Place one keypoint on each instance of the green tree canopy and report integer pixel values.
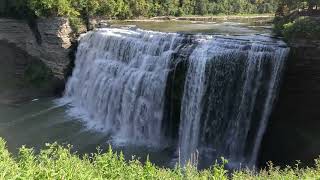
(136, 8)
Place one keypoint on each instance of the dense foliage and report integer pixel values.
(122, 9)
(287, 6)
(56, 162)
(298, 19)
(302, 27)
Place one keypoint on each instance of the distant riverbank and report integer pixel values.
(206, 18)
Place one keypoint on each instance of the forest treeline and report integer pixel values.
(285, 7)
(126, 9)
(80, 11)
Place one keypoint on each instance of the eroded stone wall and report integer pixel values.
(49, 40)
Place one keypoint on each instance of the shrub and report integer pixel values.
(76, 24)
(303, 27)
(46, 8)
(179, 12)
(278, 24)
(57, 162)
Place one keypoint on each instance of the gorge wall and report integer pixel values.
(47, 40)
(293, 133)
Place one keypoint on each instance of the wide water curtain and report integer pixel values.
(126, 82)
(229, 92)
(120, 79)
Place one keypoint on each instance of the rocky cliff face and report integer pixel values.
(293, 133)
(47, 40)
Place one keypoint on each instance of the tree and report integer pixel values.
(52, 8)
(85, 8)
(201, 7)
(187, 6)
(107, 8)
(139, 8)
(124, 9)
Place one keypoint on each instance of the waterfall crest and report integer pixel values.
(121, 79)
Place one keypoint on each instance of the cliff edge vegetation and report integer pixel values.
(298, 19)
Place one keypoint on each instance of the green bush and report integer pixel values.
(57, 162)
(76, 24)
(303, 27)
(47, 8)
(179, 12)
(278, 23)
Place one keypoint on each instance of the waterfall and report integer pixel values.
(121, 81)
(230, 88)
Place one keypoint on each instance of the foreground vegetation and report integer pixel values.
(57, 162)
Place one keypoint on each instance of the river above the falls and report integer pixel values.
(219, 26)
(36, 120)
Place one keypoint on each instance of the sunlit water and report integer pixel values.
(243, 26)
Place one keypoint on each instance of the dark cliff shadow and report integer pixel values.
(293, 132)
(23, 77)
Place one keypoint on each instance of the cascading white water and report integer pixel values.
(227, 82)
(121, 78)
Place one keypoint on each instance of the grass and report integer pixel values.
(57, 162)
